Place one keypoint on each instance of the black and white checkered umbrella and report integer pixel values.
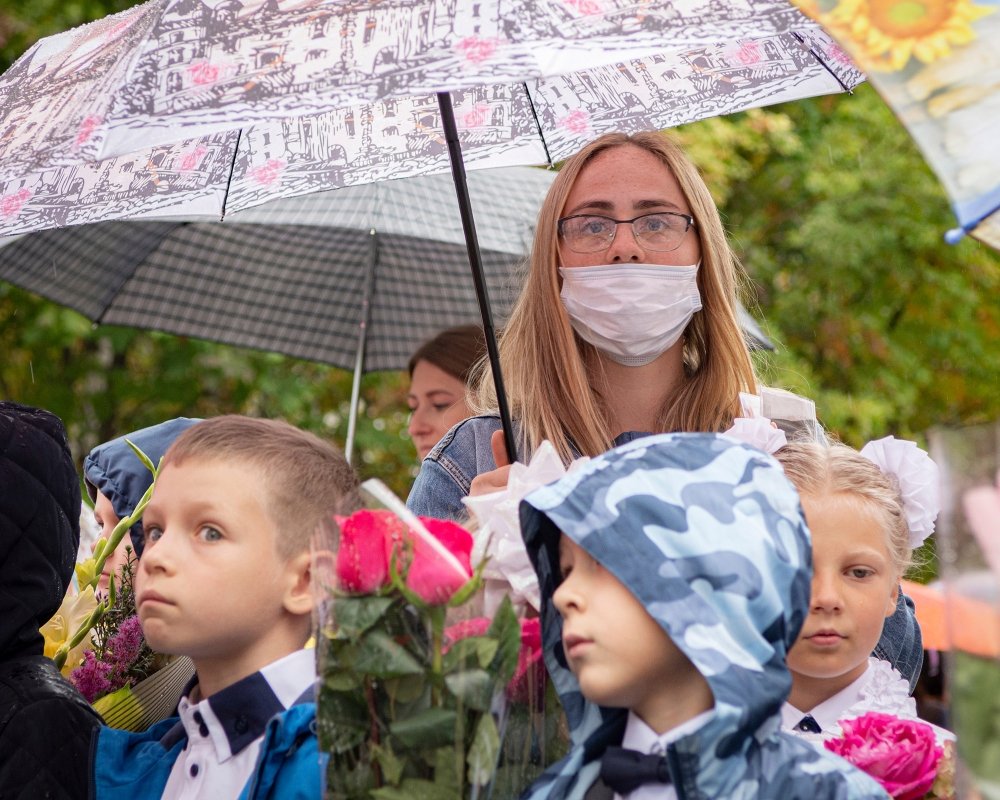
(291, 276)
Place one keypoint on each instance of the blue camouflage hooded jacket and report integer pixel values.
(709, 535)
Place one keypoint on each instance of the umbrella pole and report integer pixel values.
(359, 359)
(476, 262)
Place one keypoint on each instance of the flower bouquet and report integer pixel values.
(416, 684)
(902, 755)
(97, 642)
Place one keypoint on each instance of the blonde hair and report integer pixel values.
(303, 479)
(548, 371)
(817, 470)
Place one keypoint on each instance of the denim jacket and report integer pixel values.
(464, 452)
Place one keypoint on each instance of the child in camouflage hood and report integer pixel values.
(675, 574)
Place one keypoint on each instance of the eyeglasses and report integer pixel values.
(590, 233)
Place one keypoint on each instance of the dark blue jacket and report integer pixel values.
(116, 472)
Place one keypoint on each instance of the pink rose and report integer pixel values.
(901, 754)
(529, 676)
(363, 557)
(434, 570)
(430, 573)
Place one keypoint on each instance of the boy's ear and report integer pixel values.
(890, 607)
(299, 597)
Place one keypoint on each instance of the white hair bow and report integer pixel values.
(917, 475)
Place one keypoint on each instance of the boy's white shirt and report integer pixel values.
(879, 688)
(639, 736)
(219, 773)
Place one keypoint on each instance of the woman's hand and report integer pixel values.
(494, 480)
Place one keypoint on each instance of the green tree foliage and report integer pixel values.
(839, 222)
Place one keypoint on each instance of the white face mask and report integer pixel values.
(630, 312)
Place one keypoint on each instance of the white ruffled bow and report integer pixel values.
(917, 475)
(509, 570)
(758, 432)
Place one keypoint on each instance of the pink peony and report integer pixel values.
(369, 539)
(901, 754)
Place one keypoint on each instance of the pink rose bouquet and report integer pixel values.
(901, 754)
(415, 684)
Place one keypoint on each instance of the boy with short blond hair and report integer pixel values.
(225, 579)
(674, 574)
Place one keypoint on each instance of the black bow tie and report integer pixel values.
(808, 725)
(624, 771)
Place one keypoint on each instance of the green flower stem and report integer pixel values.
(437, 614)
(373, 715)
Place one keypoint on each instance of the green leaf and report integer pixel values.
(415, 789)
(478, 649)
(340, 680)
(473, 687)
(483, 754)
(343, 722)
(355, 615)
(506, 629)
(467, 589)
(380, 656)
(405, 689)
(392, 766)
(427, 729)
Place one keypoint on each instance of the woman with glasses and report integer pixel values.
(626, 324)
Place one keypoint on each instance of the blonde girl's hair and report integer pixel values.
(550, 372)
(818, 470)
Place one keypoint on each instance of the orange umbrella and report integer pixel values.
(950, 621)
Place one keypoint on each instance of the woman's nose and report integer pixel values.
(418, 422)
(625, 247)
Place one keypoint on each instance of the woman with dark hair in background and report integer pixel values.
(440, 370)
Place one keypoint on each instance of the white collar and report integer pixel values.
(639, 736)
(880, 688)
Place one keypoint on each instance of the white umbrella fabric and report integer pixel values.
(228, 139)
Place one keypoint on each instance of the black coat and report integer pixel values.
(45, 732)
(45, 725)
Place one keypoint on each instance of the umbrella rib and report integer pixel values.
(538, 124)
(822, 62)
(232, 169)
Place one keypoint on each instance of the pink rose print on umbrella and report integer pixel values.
(191, 158)
(269, 173)
(476, 49)
(834, 52)
(203, 72)
(746, 53)
(11, 204)
(585, 6)
(577, 122)
(87, 128)
(475, 117)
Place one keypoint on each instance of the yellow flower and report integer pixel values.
(57, 631)
(883, 35)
